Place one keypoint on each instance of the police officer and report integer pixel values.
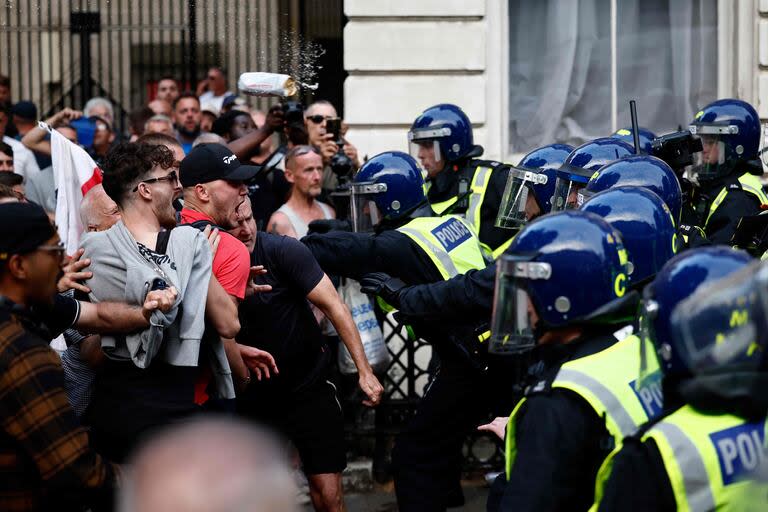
(581, 164)
(469, 296)
(710, 347)
(442, 140)
(561, 293)
(645, 137)
(727, 169)
(410, 243)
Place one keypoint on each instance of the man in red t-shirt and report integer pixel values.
(214, 187)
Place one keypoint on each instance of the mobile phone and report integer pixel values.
(158, 284)
(333, 125)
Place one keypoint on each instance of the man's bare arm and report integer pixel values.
(104, 317)
(245, 147)
(325, 297)
(279, 225)
(221, 311)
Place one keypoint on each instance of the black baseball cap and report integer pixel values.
(23, 228)
(211, 162)
(25, 110)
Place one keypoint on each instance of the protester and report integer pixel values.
(213, 89)
(281, 322)
(159, 124)
(24, 160)
(45, 457)
(186, 117)
(161, 107)
(100, 107)
(149, 379)
(167, 89)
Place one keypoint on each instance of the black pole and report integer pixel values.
(192, 48)
(635, 127)
(85, 23)
(85, 65)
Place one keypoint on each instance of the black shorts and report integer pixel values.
(310, 418)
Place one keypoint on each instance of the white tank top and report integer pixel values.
(299, 226)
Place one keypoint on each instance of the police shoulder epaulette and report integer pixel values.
(486, 163)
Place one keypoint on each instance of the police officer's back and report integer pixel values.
(709, 347)
(441, 138)
(727, 171)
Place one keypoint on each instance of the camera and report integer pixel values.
(676, 149)
(293, 113)
(340, 163)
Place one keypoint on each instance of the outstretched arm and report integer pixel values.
(325, 297)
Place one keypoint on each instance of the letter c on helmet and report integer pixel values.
(620, 285)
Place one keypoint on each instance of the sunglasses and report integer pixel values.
(58, 248)
(172, 177)
(317, 118)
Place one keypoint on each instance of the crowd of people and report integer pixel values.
(606, 303)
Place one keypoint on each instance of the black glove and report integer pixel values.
(326, 225)
(383, 285)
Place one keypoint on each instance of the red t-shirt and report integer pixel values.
(232, 263)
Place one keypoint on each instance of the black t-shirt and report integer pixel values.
(280, 321)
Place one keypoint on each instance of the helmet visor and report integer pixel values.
(648, 373)
(725, 322)
(708, 163)
(513, 211)
(511, 325)
(424, 146)
(364, 214)
(567, 188)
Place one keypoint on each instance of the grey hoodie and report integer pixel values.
(121, 273)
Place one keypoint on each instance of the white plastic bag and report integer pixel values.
(362, 309)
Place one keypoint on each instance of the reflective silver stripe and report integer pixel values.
(614, 408)
(439, 252)
(694, 472)
(476, 197)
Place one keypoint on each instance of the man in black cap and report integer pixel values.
(45, 457)
(24, 117)
(213, 182)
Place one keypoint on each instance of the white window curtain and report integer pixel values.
(560, 67)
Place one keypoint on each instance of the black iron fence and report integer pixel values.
(61, 52)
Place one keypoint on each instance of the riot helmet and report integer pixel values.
(440, 135)
(533, 179)
(536, 290)
(581, 164)
(645, 224)
(729, 130)
(638, 171)
(645, 136)
(388, 187)
(677, 280)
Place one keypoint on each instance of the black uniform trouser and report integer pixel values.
(427, 456)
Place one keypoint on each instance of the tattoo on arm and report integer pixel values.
(273, 228)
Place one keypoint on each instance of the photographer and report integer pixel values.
(316, 120)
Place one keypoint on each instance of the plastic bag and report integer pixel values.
(364, 316)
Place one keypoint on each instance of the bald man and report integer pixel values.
(209, 465)
(97, 211)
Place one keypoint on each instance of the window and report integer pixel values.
(564, 86)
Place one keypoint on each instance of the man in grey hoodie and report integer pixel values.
(149, 377)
